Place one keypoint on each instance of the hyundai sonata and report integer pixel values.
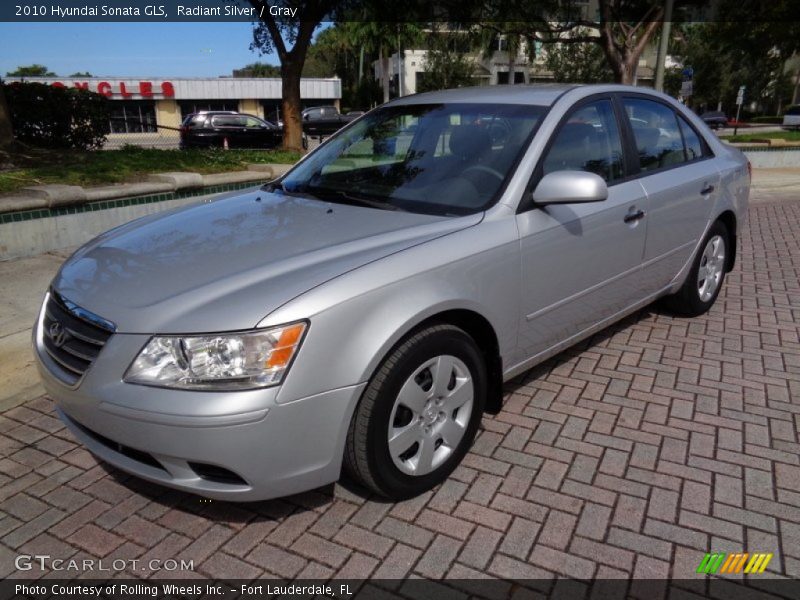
(362, 312)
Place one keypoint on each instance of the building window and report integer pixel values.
(133, 116)
(192, 106)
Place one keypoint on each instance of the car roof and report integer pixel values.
(539, 94)
(214, 112)
(543, 94)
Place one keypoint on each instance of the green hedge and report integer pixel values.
(769, 119)
(57, 117)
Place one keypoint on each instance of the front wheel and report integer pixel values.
(704, 282)
(419, 414)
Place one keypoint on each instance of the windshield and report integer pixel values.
(446, 159)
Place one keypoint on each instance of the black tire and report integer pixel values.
(367, 458)
(687, 301)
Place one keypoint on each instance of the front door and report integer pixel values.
(581, 263)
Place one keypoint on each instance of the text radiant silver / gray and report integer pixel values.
(363, 311)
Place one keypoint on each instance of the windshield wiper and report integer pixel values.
(276, 186)
(332, 195)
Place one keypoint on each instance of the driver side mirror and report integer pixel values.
(568, 187)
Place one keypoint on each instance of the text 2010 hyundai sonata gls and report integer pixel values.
(363, 311)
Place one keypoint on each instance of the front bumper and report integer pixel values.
(249, 446)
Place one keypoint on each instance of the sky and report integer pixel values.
(130, 49)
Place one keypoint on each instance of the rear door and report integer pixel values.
(581, 262)
(681, 180)
(230, 128)
(258, 133)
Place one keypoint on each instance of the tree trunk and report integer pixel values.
(385, 70)
(6, 132)
(291, 70)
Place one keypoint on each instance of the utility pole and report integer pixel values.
(400, 64)
(663, 45)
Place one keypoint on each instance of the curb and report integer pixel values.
(59, 195)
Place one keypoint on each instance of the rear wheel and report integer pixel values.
(419, 414)
(704, 282)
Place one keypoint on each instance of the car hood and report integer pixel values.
(223, 265)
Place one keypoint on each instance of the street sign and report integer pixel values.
(686, 88)
(739, 102)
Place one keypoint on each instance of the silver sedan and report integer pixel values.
(362, 312)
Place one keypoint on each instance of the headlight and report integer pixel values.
(224, 361)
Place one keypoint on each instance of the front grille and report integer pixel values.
(72, 336)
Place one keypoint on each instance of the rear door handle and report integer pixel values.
(707, 190)
(634, 216)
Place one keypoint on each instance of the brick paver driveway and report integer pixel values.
(634, 454)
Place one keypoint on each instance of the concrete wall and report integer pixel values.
(773, 159)
(168, 113)
(251, 106)
(29, 238)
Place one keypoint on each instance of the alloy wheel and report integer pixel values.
(430, 415)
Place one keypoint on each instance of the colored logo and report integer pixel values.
(730, 564)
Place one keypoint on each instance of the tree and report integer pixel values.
(82, 74)
(445, 66)
(739, 51)
(31, 71)
(277, 33)
(383, 38)
(258, 69)
(622, 29)
(578, 63)
(324, 53)
(6, 131)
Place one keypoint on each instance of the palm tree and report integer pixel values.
(380, 38)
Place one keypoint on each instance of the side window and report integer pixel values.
(229, 121)
(655, 129)
(588, 141)
(691, 141)
(253, 123)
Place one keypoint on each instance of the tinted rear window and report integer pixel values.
(194, 121)
(793, 112)
(229, 121)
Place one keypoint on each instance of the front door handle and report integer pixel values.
(707, 190)
(634, 216)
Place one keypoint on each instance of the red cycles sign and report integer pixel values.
(124, 90)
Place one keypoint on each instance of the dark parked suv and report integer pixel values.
(213, 128)
(326, 120)
(715, 119)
